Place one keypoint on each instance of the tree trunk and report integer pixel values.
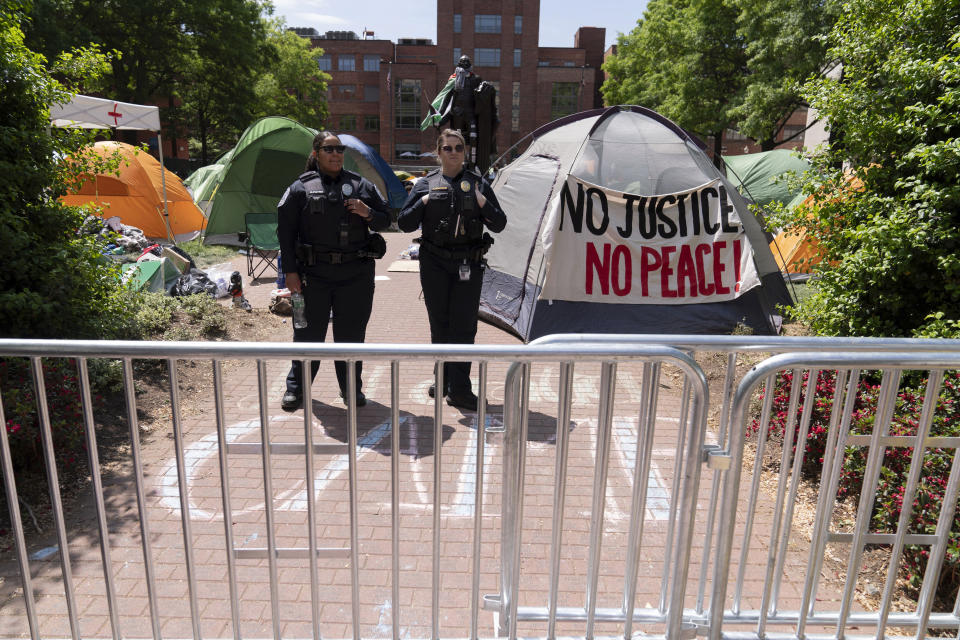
(202, 126)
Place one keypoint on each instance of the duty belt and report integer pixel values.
(311, 256)
(470, 252)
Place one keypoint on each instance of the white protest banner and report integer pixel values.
(682, 248)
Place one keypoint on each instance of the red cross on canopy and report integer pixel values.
(116, 115)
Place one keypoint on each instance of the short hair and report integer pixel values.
(450, 133)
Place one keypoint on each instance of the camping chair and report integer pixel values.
(260, 238)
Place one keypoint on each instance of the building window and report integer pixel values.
(457, 52)
(457, 23)
(518, 24)
(516, 57)
(563, 99)
(486, 23)
(732, 134)
(348, 122)
(486, 57)
(371, 93)
(515, 108)
(371, 63)
(792, 130)
(408, 114)
(347, 91)
(407, 151)
(325, 62)
(371, 123)
(346, 63)
(496, 86)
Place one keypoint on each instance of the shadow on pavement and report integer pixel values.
(374, 429)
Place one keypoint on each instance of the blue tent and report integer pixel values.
(391, 188)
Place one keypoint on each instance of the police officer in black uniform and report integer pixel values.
(327, 250)
(452, 206)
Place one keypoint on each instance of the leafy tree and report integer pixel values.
(785, 46)
(202, 53)
(217, 94)
(685, 60)
(713, 64)
(54, 282)
(292, 84)
(889, 226)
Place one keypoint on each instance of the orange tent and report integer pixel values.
(794, 249)
(136, 195)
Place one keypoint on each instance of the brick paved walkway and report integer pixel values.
(399, 317)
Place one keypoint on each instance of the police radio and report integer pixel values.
(345, 192)
(466, 206)
(466, 198)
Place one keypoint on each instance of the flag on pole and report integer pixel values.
(440, 107)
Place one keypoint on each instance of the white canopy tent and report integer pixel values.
(87, 112)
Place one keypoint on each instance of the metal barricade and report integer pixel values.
(679, 508)
(768, 558)
(161, 555)
(620, 513)
(854, 536)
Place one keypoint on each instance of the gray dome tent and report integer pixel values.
(619, 223)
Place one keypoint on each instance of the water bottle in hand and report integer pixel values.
(299, 311)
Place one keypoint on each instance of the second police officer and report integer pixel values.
(327, 252)
(452, 206)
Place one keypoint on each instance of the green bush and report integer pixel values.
(888, 188)
(54, 282)
(153, 314)
(192, 317)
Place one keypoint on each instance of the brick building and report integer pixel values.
(380, 90)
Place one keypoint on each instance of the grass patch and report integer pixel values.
(205, 255)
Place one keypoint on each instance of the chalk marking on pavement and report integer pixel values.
(625, 431)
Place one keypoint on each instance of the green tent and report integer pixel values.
(203, 182)
(252, 176)
(270, 155)
(754, 175)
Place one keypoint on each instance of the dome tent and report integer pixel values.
(135, 194)
(203, 182)
(756, 175)
(361, 158)
(270, 155)
(88, 112)
(618, 222)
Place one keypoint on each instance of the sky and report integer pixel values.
(390, 20)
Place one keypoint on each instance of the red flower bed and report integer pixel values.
(888, 504)
(22, 417)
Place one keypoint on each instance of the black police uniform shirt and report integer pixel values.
(414, 211)
(319, 226)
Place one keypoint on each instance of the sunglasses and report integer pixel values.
(448, 148)
(333, 148)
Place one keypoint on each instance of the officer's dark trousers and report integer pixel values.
(347, 289)
(452, 306)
